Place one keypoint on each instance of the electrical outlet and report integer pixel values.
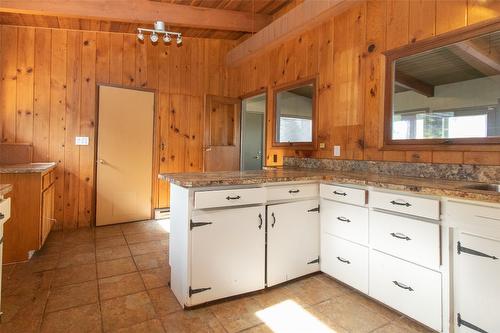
(82, 140)
(336, 150)
(322, 145)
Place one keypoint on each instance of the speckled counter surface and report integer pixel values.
(428, 186)
(5, 188)
(27, 168)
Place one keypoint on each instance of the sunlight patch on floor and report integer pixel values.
(288, 316)
(165, 224)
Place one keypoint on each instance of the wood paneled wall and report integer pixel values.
(48, 96)
(345, 54)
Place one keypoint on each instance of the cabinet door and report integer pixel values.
(477, 287)
(227, 253)
(292, 240)
(47, 212)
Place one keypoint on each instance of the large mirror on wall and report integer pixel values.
(295, 114)
(447, 94)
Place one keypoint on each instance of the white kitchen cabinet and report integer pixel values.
(345, 261)
(292, 240)
(344, 220)
(4, 216)
(406, 237)
(406, 287)
(477, 284)
(227, 253)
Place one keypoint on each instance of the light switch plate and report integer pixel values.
(82, 140)
(336, 150)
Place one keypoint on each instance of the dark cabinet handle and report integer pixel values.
(260, 218)
(343, 219)
(397, 203)
(473, 327)
(461, 249)
(340, 193)
(1, 216)
(274, 220)
(400, 236)
(345, 261)
(402, 286)
(233, 198)
(293, 191)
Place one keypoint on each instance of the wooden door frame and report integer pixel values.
(206, 140)
(156, 145)
(251, 94)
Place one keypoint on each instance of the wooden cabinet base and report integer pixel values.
(32, 214)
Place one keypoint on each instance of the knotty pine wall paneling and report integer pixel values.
(345, 53)
(48, 95)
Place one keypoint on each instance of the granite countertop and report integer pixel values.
(5, 188)
(27, 168)
(428, 186)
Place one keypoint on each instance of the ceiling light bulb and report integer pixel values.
(179, 39)
(154, 37)
(140, 36)
(167, 38)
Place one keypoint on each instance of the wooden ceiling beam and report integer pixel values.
(303, 17)
(476, 58)
(409, 82)
(141, 11)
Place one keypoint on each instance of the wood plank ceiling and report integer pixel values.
(267, 7)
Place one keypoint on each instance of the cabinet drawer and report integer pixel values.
(5, 209)
(354, 196)
(292, 192)
(343, 220)
(423, 207)
(345, 261)
(407, 238)
(408, 288)
(225, 198)
(474, 217)
(47, 179)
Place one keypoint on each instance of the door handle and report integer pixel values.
(260, 218)
(207, 148)
(274, 220)
(101, 161)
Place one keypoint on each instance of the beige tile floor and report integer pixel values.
(115, 279)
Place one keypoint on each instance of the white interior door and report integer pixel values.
(227, 253)
(292, 240)
(124, 155)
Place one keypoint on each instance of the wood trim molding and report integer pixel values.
(290, 85)
(303, 17)
(142, 11)
(452, 37)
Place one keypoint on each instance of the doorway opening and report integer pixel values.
(253, 131)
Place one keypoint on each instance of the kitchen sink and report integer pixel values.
(484, 187)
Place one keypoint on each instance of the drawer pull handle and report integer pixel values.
(1, 216)
(293, 191)
(343, 219)
(345, 261)
(402, 286)
(397, 203)
(260, 218)
(463, 249)
(274, 220)
(233, 198)
(400, 236)
(340, 193)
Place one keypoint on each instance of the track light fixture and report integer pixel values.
(154, 37)
(159, 29)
